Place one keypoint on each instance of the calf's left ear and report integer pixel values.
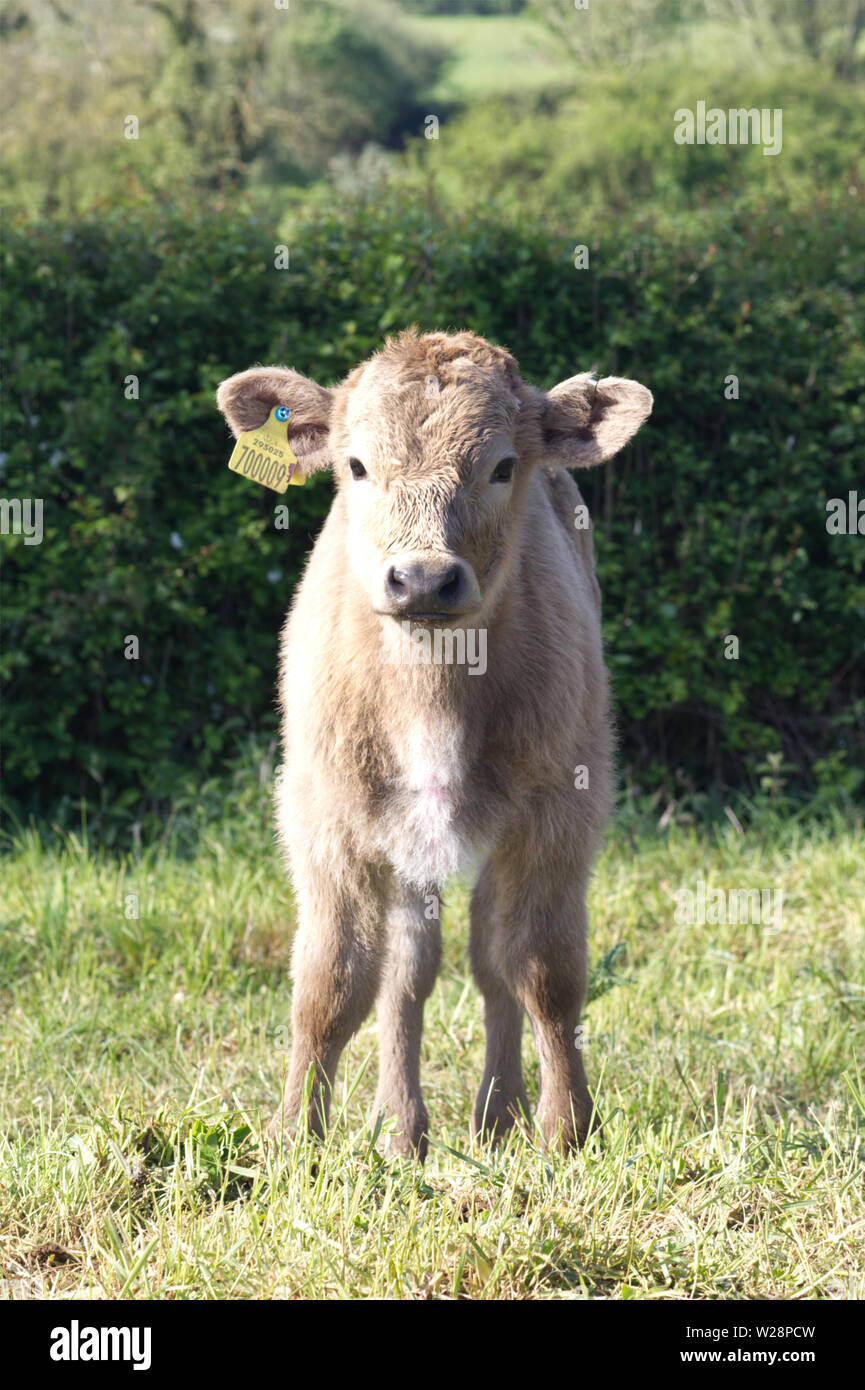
(247, 398)
(586, 421)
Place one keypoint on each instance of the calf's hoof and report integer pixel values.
(495, 1113)
(287, 1125)
(566, 1127)
(280, 1131)
(409, 1139)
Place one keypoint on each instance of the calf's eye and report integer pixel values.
(357, 468)
(504, 470)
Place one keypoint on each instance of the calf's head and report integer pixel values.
(432, 443)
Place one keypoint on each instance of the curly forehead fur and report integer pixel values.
(417, 355)
(436, 398)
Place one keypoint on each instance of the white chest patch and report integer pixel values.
(420, 833)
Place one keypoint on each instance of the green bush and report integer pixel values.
(712, 523)
(463, 6)
(231, 95)
(605, 146)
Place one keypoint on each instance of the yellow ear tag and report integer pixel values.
(265, 455)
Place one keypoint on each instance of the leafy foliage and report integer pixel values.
(713, 524)
(606, 145)
(224, 96)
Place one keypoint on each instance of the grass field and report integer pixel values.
(726, 1062)
(495, 55)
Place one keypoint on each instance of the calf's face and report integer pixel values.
(432, 443)
(430, 475)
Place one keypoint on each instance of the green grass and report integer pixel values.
(139, 1056)
(495, 55)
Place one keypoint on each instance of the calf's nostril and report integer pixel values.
(397, 582)
(449, 587)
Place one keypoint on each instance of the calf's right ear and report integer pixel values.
(247, 398)
(586, 421)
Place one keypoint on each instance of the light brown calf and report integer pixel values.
(454, 521)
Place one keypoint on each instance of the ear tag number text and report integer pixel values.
(264, 454)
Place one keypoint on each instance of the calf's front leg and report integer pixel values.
(336, 967)
(540, 948)
(501, 1100)
(411, 966)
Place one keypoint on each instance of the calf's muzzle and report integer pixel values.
(430, 587)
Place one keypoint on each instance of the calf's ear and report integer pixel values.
(247, 398)
(586, 421)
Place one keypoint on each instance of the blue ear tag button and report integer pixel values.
(281, 413)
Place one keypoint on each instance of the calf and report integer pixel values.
(453, 517)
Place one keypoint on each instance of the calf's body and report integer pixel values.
(398, 773)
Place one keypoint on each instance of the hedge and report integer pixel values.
(712, 524)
